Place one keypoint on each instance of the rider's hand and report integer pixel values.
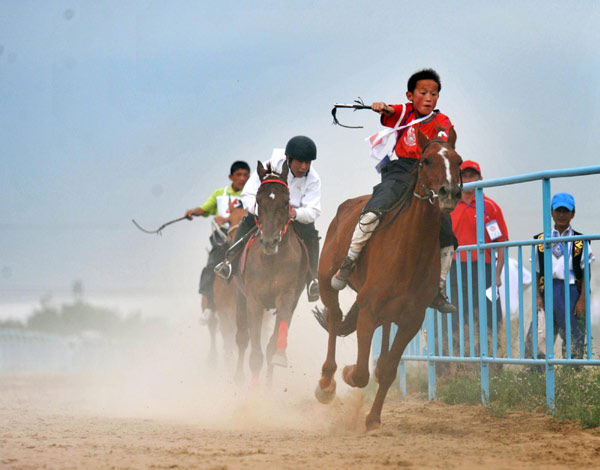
(540, 302)
(189, 214)
(382, 108)
(580, 308)
(221, 220)
(293, 213)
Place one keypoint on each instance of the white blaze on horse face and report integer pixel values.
(272, 195)
(442, 154)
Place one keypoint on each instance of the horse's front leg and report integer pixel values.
(357, 375)
(385, 347)
(212, 354)
(241, 336)
(255, 317)
(325, 391)
(388, 368)
(276, 349)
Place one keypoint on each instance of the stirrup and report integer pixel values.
(223, 270)
(442, 304)
(340, 279)
(312, 290)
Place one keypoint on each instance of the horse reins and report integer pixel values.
(431, 194)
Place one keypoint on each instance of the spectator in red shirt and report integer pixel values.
(464, 225)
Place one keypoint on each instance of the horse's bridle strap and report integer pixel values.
(275, 181)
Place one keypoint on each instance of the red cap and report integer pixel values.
(470, 164)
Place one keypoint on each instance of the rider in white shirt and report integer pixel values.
(305, 199)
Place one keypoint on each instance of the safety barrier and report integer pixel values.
(434, 345)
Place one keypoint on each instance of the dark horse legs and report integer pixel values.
(242, 335)
(388, 367)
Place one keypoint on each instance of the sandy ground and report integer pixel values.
(53, 422)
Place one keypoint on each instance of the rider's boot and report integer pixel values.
(441, 302)
(225, 268)
(207, 316)
(367, 223)
(247, 226)
(312, 290)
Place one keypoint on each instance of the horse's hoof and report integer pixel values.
(325, 396)
(347, 375)
(279, 359)
(373, 424)
(255, 384)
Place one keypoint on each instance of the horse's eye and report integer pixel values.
(426, 162)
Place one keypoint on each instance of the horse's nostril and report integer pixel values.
(443, 191)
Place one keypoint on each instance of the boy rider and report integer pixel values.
(305, 198)
(419, 114)
(218, 205)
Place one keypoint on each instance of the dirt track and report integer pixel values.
(48, 423)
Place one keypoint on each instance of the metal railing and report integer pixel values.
(429, 344)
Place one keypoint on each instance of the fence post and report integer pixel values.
(548, 293)
(483, 337)
(431, 352)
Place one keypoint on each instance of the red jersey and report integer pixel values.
(465, 227)
(406, 141)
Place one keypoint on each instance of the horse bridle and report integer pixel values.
(285, 227)
(430, 193)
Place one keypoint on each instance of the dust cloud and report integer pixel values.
(170, 378)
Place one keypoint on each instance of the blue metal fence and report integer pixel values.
(434, 345)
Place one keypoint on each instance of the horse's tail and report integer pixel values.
(348, 324)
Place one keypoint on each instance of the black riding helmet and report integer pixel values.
(301, 148)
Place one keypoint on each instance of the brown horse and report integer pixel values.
(397, 274)
(274, 275)
(224, 297)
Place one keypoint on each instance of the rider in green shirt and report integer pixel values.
(218, 205)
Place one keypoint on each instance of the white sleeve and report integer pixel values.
(248, 196)
(310, 205)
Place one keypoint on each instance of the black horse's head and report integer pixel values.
(439, 171)
(272, 207)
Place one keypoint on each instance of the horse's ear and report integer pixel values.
(261, 170)
(231, 205)
(284, 171)
(452, 137)
(422, 139)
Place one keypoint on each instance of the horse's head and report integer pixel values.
(439, 171)
(273, 207)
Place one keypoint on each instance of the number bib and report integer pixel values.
(493, 230)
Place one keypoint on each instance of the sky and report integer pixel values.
(116, 110)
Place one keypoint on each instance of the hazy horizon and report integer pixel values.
(114, 111)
